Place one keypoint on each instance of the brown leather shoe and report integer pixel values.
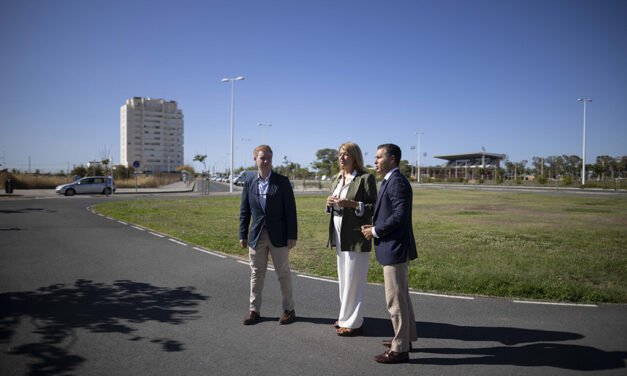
(390, 357)
(388, 343)
(348, 332)
(287, 317)
(252, 318)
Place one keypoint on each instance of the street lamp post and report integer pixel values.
(412, 147)
(112, 178)
(263, 131)
(583, 154)
(232, 81)
(418, 157)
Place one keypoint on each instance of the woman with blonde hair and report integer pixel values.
(351, 205)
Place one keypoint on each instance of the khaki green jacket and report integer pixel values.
(363, 188)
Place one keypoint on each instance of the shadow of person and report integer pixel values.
(537, 352)
(566, 356)
(377, 327)
(504, 335)
(25, 211)
(57, 311)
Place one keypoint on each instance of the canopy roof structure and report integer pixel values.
(481, 159)
(479, 154)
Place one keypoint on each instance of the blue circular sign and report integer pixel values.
(136, 164)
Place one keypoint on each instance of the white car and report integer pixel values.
(243, 176)
(87, 185)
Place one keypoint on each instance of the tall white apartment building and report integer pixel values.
(151, 133)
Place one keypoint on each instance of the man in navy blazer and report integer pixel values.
(395, 247)
(268, 199)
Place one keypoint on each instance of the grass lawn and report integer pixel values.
(524, 245)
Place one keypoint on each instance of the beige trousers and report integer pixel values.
(396, 284)
(258, 258)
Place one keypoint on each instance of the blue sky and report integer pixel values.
(499, 74)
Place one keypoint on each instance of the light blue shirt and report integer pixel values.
(262, 186)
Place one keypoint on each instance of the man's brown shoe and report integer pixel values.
(390, 357)
(287, 317)
(251, 318)
(388, 343)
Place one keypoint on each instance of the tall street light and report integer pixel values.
(418, 156)
(412, 166)
(583, 154)
(232, 81)
(263, 131)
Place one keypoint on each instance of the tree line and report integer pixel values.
(605, 168)
(555, 167)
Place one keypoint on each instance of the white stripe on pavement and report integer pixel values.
(209, 252)
(442, 295)
(316, 278)
(555, 304)
(176, 241)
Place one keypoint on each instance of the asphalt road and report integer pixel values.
(82, 294)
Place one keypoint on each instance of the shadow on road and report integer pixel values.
(537, 351)
(572, 357)
(25, 210)
(58, 311)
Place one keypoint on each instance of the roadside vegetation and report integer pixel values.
(524, 245)
(49, 181)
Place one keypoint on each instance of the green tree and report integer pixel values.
(187, 168)
(105, 170)
(326, 162)
(94, 170)
(291, 169)
(556, 166)
(123, 172)
(201, 158)
(605, 166)
(521, 168)
(572, 164)
(539, 166)
(405, 168)
(621, 166)
(79, 171)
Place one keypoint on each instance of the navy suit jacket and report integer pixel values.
(393, 223)
(279, 217)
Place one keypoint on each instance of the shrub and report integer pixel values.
(568, 180)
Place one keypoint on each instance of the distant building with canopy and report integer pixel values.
(470, 165)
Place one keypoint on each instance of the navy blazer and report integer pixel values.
(393, 223)
(279, 218)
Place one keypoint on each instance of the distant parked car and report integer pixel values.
(87, 185)
(243, 176)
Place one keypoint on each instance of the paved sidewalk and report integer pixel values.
(178, 187)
